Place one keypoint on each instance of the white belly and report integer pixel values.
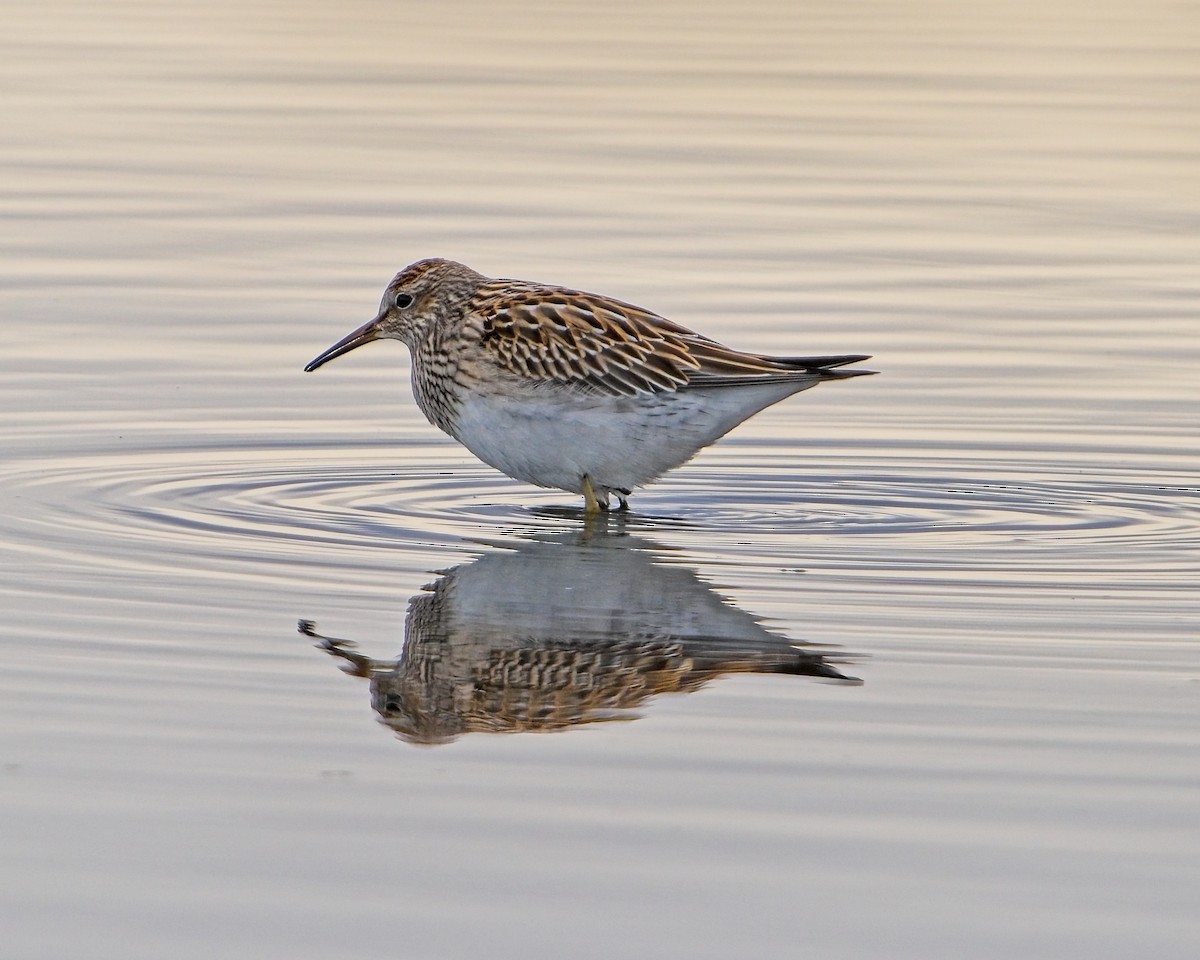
(619, 443)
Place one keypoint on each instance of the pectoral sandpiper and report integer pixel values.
(567, 389)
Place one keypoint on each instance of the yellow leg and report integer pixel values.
(592, 503)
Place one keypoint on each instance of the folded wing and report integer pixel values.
(603, 345)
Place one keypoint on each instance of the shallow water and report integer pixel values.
(999, 536)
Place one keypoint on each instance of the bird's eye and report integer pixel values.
(403, 300)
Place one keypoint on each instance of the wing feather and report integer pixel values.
(603, 345)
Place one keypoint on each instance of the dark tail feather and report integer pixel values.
(821, 363)
(825, 365)
(755, 369)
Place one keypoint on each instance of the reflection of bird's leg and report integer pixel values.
(594, 524)
(593, 502)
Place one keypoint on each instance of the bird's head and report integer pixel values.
(421, 296)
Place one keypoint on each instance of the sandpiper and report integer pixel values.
(571, 390)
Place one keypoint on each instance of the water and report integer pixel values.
(999, 536)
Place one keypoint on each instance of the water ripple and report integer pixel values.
(743, 503)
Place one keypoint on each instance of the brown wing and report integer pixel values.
(548, 333)
(605, 345)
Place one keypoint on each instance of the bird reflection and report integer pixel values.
(558, 631)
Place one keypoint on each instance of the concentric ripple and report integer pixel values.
(240, 507)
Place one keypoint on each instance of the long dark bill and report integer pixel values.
(364, 334)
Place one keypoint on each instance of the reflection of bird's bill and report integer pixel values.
(556, 631)
(354, 663)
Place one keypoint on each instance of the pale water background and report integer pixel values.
(1000, 535)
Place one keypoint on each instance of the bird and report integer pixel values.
(572, 390)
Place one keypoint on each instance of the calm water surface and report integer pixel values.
(906, 667)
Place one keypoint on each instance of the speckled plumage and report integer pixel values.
(567, 389)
